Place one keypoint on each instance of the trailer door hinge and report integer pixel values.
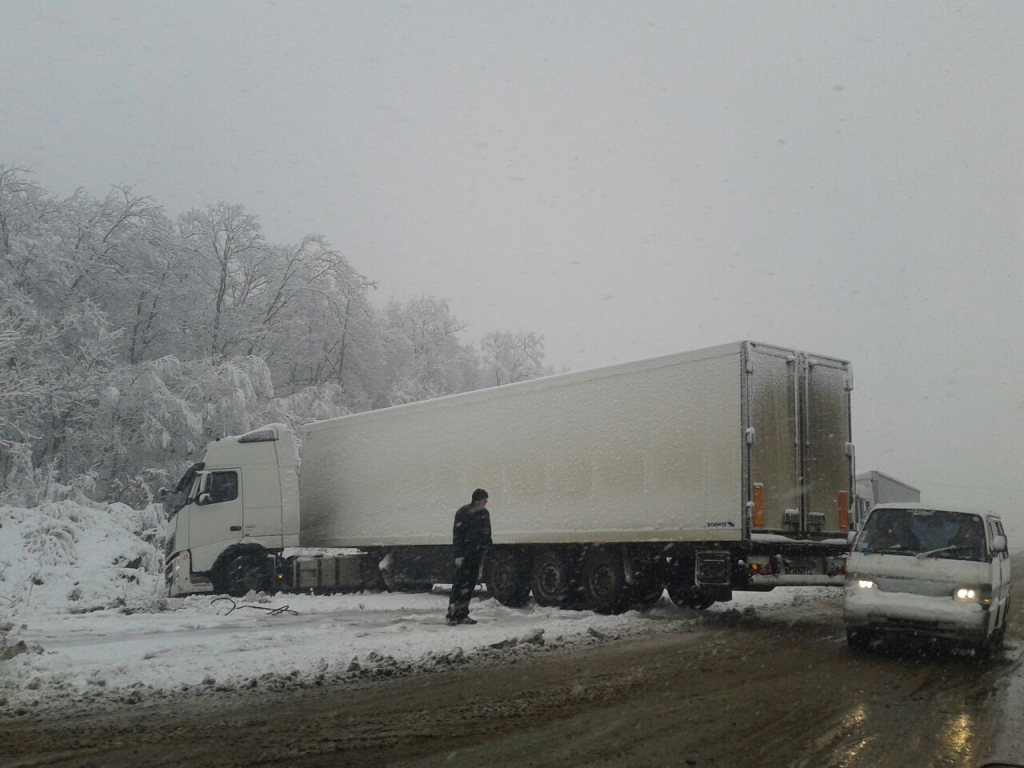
(750, 432)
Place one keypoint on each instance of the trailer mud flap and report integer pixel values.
(713, 569)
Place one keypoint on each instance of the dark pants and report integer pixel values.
(465, 583)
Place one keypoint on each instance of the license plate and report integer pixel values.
(800, 567)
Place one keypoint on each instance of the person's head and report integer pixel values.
(479, 498)
(966, 534)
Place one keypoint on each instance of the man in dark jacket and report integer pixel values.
(471, 536)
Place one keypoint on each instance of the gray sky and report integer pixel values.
(627, 179)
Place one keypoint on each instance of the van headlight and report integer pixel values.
(981, 595)
(856, 582)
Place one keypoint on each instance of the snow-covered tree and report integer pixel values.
(510, 357)
(128, 340)
(423, 354)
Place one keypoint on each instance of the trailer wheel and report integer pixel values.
(507, 579)
(551, 580)
(604, 580)
(247, 573)
(645, 594)
(690, 597)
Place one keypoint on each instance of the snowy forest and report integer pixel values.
(129, 339)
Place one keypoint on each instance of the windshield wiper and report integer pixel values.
(923, 555)
(889, 551)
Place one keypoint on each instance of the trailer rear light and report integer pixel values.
(755, 567)
(844, 510)
(758, 505)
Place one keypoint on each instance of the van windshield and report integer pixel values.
(941, 534)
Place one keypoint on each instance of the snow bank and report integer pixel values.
(66, 556)
(82, 623)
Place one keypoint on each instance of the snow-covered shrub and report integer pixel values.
(64, 554)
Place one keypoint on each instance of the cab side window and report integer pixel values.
(223, 487)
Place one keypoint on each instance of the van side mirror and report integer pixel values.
(998, 543)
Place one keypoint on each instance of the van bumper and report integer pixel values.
(903, 613)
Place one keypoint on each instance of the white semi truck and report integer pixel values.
(703, 472)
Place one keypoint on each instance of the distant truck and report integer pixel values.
(876, 487)
(704, 472)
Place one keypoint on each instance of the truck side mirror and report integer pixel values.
(204, 498)
(998, 543)
(161, 494)
(851, 537)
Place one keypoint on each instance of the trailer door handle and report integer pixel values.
(236, 527)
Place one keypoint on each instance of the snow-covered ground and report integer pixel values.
(82, 622)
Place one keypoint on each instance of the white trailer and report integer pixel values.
(720, 469)
(874, 487)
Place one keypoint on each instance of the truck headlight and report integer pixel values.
(965, 593)
(865, 584)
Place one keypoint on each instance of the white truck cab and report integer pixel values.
(236, 506)
(932, 571)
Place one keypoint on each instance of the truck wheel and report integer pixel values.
(247, 573)
(507, 579)
(645, 595)
(551, 579)
(690, 597)
(604, 581)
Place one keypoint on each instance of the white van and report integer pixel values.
(931, 571)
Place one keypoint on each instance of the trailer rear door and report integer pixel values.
(828, 452)
(774, 442)
(799, 459)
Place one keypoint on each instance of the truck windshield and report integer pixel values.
(930, 533)
(178, 496)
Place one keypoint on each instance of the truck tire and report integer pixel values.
(246, 573)
(645, 594)
(690, 597)
(507, 578)
(551, 580)
(604, 581)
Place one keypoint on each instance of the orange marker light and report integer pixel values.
(759, 505)
(844, 510)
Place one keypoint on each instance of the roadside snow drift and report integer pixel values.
(83, 622)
